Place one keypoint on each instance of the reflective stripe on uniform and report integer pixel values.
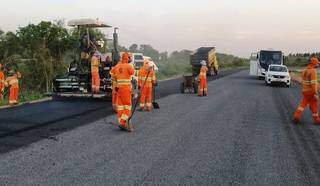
(309, 82)
(124, 117)
(145, 79)
(203, 74)
(123, 82)
(13, 101)
(13, 81)
(149, 104)
(124, 107)
(300, 109)
(315, 114)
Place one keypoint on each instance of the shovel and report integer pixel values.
(154, 103)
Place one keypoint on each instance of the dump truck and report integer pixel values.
(76, 82)
(207, 54)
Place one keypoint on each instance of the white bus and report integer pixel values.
(260, 61)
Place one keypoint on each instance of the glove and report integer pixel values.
(155, 84)
(116, 89)
(139, 87)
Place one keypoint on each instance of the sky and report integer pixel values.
(236, 27)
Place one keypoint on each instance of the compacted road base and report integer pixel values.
(241, 134)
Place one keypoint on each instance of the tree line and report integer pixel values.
(298, 59)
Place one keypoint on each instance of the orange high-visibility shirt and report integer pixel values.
(123, 73)
(142, 77)
(203, 72)
(310, 81)
(113, 77)
(95, 62)
(2, 81)
(12, 81)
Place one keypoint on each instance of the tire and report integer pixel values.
(182, 88)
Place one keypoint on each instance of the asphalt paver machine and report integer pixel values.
(76, 82)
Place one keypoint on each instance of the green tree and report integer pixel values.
(45, 44)
(134, 48)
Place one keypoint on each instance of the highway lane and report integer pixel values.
(46, 119)
(241, 134)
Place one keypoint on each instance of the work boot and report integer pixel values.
(296, 121)
(122, 127)
(141, 109)
(317, 121)
(130, 128)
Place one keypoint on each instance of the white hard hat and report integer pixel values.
(100, 43)
(203, 63)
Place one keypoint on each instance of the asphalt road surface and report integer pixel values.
(241, 134)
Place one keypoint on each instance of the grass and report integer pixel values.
(24, 97)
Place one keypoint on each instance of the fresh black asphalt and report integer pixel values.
(241, 134)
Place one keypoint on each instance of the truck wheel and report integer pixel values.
(182, 88)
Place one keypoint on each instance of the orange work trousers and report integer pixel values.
(114, 99)
(1, 93)
(14, 95)
(95, 82)
(312, 101)
(1, 97)
(146, 98)
(124, 105)
(203, 88)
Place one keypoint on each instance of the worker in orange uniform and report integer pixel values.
(13, 82)
(309, 91)
(203, 88)
(95, 77)
(114, 87)
(146, 81)
(123, 74)
(2, 83)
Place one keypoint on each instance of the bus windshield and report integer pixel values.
(269, 57)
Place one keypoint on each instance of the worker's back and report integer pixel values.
(123, 73)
